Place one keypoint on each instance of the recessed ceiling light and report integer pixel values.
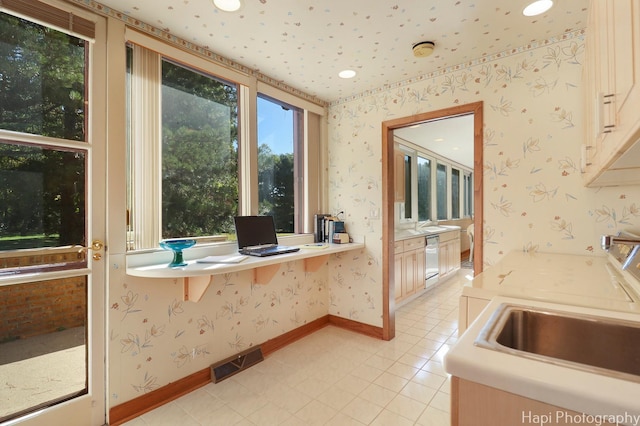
(438, 140)
(537, 7)
(227, 5)
(347, 74)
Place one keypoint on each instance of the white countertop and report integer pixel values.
(194, 268)
(565, 387)
(590, 281)
(423, 231)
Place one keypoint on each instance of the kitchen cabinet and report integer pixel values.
(611, 77)
(469, 309)
(409, 266)
(449, 256)
(476, 404)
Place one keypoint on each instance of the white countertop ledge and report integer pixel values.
(194, 269)
(565, 387)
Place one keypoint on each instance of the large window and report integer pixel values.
(279, 127)
(455, 193)
(195, 160)
(199, 153)
(441, 191)
(436, 188)
(468, 194)
(194, 191)
(424, 189)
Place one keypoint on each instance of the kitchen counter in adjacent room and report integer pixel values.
(423, 231)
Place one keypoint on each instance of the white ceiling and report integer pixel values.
(450, 138)
(306, 43)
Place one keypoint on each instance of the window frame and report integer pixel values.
(298, 130)
(414, 152)
(309, 180)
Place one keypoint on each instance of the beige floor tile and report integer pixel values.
(362, 410)
(378, 395)
(339, 378)
(389, 418)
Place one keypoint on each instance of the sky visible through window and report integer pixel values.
(275, 127)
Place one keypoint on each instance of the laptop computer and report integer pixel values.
(257, 236)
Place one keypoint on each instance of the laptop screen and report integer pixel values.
(255, 231)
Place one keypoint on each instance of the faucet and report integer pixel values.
(627, 239)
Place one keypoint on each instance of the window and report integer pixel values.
(199, 153)
(408, 188)
(279, 148)
(424, 189)
(441, 191)
(468, 195)
(455, 193)
(435, 188)
(194, 159)
(194, 193)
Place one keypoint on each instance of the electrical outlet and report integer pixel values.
(374, 213)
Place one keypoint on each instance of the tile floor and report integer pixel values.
(337, 377)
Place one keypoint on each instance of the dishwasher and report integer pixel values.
(431, 261)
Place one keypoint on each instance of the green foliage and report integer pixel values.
(275, 187)
(199, 154)
(42, 86)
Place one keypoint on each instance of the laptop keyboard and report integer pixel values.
(260, 249)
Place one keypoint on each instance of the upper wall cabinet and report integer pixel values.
(611, 154)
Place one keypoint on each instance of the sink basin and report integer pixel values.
(592, 343)
(433, 228)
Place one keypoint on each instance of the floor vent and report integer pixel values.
(235, 364)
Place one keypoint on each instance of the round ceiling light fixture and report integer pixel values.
(347, 74)
(227, 5)
(423, 49)
(537, 7)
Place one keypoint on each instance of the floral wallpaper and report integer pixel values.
(534, 199)
(156, 338)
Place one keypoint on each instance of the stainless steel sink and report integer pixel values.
(592, 343)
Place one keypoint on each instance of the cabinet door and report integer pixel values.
(612, 83)
(454, 258)
(398, 268)
(410, 263)
(622, 51)
(421, 265)
(443, 259)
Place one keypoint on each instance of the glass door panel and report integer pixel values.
(43, 323)
(51, 289)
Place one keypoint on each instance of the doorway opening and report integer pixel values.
(389, 196)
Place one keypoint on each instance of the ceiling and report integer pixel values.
(450, 138)
(304, 44)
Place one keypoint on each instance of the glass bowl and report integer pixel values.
(177, 246)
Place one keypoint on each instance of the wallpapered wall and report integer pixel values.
(155, 338)
(534, 199)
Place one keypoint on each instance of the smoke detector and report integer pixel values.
(423, 49)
